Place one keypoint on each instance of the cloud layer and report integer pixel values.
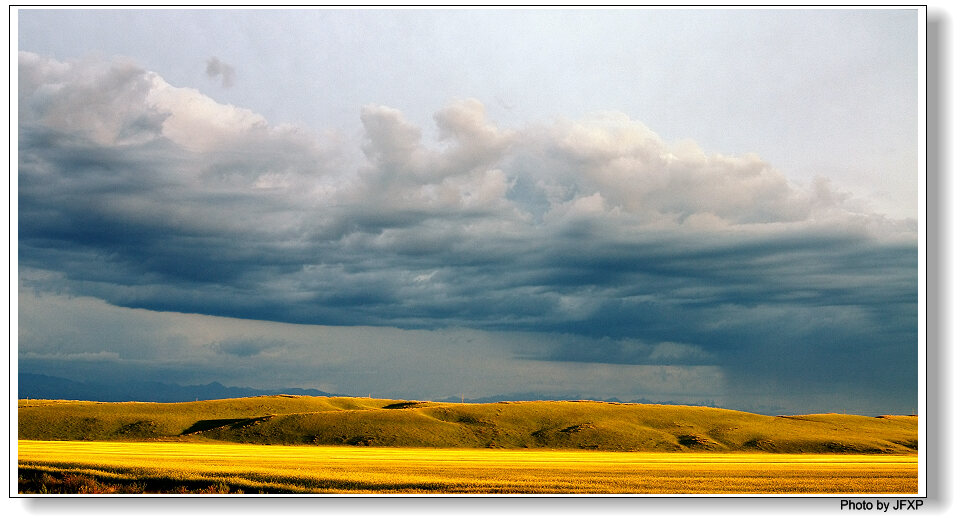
(637, 250)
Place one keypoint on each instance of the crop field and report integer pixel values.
(201, 467)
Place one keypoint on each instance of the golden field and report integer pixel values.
(228, 468)
(303, 444)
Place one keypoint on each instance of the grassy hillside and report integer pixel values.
(536, 424)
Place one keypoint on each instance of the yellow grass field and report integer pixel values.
(350, 469)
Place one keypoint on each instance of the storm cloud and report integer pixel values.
(625, 249)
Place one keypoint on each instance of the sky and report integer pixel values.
(690, 205)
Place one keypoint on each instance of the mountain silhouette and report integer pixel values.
(41, 386)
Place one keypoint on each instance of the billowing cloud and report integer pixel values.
(628, 249)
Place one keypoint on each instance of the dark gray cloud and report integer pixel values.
(217, 68)
(247, 347)
(639, 251)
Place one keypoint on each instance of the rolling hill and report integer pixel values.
(289, 419)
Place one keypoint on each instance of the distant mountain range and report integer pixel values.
(41, 386)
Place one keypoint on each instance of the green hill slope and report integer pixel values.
(535, 424)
